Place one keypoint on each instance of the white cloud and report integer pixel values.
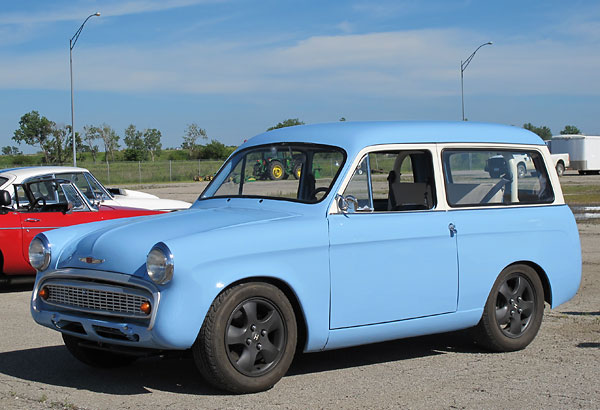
(75, 11)
(409, 63)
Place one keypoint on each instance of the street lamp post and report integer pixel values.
(463, 67)
(72, 43)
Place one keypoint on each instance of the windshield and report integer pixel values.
(293, 172)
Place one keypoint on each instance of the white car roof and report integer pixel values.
(18, 175)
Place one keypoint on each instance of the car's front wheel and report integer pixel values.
(248, 338)
(513, 312)
(95, 355)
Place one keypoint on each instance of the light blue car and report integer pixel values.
(321, 237)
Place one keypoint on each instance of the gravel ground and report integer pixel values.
(558, 370)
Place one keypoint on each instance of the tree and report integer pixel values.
(110, 139)
(58, 146)
(69, 144)
(35, 130)
(91, 134)
(152, 141)
(215, 150)
(136, 149)
(570, 130)
(190, 139)
(543, 131)
(290, 122)
(8, 150)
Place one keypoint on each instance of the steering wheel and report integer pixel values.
(318, 190)
(39, 203)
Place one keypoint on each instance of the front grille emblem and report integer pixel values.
(89, 259)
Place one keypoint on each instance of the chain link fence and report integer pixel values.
(132, 172)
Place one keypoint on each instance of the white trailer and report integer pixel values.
(583, 150)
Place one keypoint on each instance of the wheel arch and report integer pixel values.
(543, 278)
(290, 295)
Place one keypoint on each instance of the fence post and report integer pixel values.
(170, 171)
(199, 173)
(108, 171)
(140, 170)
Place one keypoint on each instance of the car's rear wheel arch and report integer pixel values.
(543, 278)
(290, 295)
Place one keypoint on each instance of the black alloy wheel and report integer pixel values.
(255, 337)
(515, 305)
(514, 310)
(248, 338)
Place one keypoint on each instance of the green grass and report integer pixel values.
(581, 194)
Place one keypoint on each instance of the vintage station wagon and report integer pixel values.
(387, 230)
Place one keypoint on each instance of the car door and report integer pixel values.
(392, 257)
(51, 212)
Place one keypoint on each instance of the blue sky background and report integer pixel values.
(237, 67)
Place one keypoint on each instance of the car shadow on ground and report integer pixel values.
(14, 288)
(176, 373)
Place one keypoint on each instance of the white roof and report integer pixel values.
(21, 174)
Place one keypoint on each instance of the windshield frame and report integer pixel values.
(234, 160)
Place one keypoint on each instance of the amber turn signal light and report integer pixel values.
(43, 293)
(146, 308)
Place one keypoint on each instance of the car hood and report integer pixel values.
(156, 204)
(122, 246)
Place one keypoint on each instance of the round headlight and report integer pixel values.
(159, 264)
(39, 253)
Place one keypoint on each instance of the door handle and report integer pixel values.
(452, 230)
(32, 220)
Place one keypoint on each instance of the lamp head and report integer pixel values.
(98, 13)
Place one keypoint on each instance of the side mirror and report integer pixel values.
(5, 199)
(344, 202)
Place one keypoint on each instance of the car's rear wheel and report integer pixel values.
(560, 169)
(248, 338)
(513, 312)
(521, 170)
(95, 357)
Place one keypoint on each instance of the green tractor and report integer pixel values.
(278, 167)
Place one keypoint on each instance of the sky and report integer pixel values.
(237, 67)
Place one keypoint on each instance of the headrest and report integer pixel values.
(5, 198)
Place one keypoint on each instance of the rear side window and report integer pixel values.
(503, 177)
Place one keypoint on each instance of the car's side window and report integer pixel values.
(390, 181)
(500, 177)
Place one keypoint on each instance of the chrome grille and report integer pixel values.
(119, 302)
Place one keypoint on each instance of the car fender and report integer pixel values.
(202, 271)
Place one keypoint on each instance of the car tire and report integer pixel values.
(276, 171)
(513, 312)
(248, 338)
(560, 169)
(521, 170)
(494, 174)
(95, 357)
